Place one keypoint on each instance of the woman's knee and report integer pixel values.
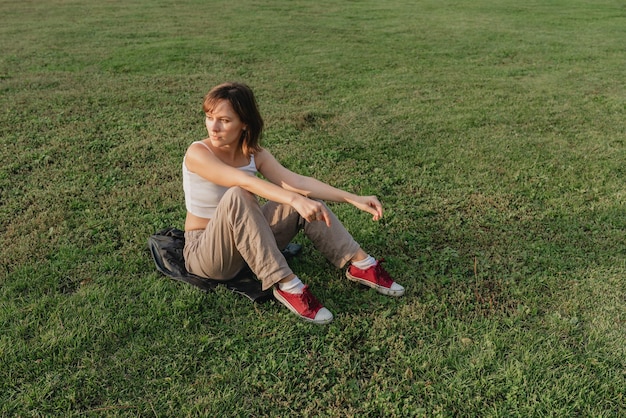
(239, 202)
(236, 193)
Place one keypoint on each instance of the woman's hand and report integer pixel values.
(311, 210)
(369, 204)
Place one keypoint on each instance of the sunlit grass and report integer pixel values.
(493, 132)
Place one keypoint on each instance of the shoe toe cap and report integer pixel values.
(395, 290)
(396, 287)
(323, 316)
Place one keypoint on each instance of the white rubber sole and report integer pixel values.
(322, 321)
(380, 289)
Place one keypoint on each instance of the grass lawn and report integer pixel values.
(492, 131)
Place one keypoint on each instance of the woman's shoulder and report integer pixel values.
(199, 154)
(260, 152)
(260, 156)
(199, 145)
(265, 161)
(198, 149)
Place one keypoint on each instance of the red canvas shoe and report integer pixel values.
(377, 278)
(305, 305)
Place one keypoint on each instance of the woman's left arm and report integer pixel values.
(310, 187)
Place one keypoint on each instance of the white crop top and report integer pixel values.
(202, 196)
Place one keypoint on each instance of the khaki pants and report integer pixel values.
(244, 232)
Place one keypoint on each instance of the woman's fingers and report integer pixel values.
(320, 213)
(378, 209)
(372, 205)
(325, 217)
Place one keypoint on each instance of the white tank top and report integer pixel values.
(202, 196)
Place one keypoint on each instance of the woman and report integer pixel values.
(226, 227)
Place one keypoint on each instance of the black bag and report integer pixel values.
(166, 247)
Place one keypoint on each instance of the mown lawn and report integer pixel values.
(492, 131)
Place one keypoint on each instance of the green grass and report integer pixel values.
(493, 131)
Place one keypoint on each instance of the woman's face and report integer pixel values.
(224, 126)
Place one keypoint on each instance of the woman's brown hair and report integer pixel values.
(242, 100)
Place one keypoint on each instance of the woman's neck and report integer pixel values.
(228, 154)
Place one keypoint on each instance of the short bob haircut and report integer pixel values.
(242, 100)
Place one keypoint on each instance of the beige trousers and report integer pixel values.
(242, 232)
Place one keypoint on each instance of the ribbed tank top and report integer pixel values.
(201, 195)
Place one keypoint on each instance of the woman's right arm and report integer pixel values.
(205, 164)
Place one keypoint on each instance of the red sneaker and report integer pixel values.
(377, 278)
(305, 305)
